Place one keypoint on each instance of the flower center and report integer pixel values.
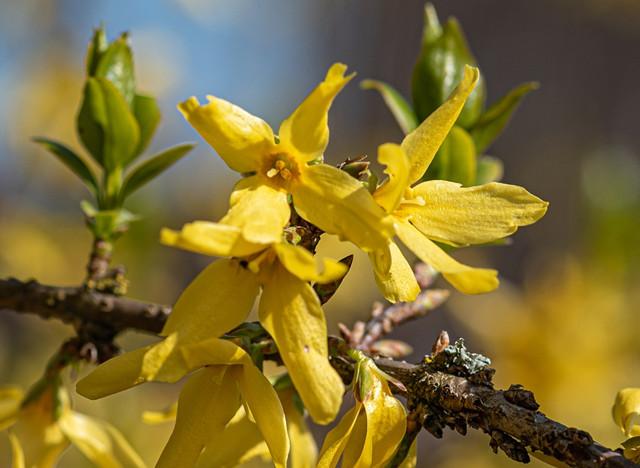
(281, 167)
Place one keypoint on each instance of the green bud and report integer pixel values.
(97, 48)
(440, 67)
(116, 65)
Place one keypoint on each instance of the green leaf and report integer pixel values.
(71, 160)
(91, 120)
(116, 65)
(439, 69)
(458, 158)
(152, 168)
(147, 114)
(398, 106)
(96, 49)
(106, 126)
(492, 122)
(489, 169)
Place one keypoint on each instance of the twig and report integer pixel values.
(439, 388)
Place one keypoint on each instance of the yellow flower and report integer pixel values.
(289, 164)
(220, 299)
(442, 211)
(626, 411)
(368, 435)
(42, 425)
(226, 378)
(242, 440)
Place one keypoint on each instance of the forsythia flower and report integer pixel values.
(227, 378)
(289, 308)
(626, 414)
(442, 211)
(626, 411)
(242, 440)
(220, 299)
(42, 425)
(289, 164)
(368, 435)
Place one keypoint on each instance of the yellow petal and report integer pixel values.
(17, 454)
(386, 424)
(389, 194)
(626, 411)
(337, 438)
(358, 452)
(304, 451)
(260, 211)
(95, 441)
(464, 278)
(264, 404)
(160, 362)
(213, 352)
(301, 263)
(240, 442)
(207, 403)
(339, 204)
(240, 138)
(422, 144)
(218, 300)
(159, 417)
(291, 313)
(306, 129)
(472, 215)
(398, 282)
(10, 398)
(207, 238)
(40, 440)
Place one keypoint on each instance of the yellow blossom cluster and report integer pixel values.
(257, 258)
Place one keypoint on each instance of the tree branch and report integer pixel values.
(79, 305)
(440, 392)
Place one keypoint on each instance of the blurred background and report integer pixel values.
(564, 322)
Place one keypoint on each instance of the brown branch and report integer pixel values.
(79, 305)
(440, 390)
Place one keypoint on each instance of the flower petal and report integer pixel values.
(158, 417)
(626, 411)
(260, 211)
(291, 313)
(358, 452)
(337, 438)
(398, 282)
(306, 129)
(240, 138)
(216, 301)
(386, 424)
(10, 398)
(421, 145)
(213, 352)
(207, 403)
(207, 238)
(339, 204)
(304, 451)
(301, 263)
(472, 215)
(159, 362)
(389, 194)
(265, 407)
(91, 438)
(465, 278)
(240, 442)
(17, 454)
